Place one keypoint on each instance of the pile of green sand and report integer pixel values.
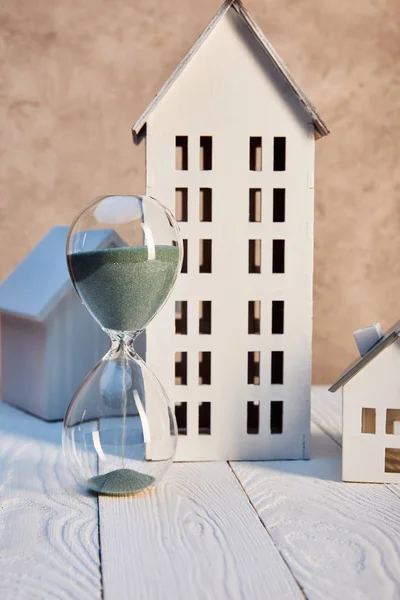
(121, 481)
(121, 286)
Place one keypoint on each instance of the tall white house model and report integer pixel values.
(230, 149)
(370, 390)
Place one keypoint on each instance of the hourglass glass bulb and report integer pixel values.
(120, 431)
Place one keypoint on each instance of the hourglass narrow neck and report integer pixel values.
(123, 343)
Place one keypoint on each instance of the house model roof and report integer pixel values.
(390, 336)
(41, 280)
(321, 128)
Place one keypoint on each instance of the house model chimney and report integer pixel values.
(368, 337)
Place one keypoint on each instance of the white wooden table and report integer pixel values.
(261, 530)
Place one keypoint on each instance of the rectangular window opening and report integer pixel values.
(205, 257)
(278, 256)
(254, 316)
(278, 316)
(392, 421)
(204, 368)
(180, 368)
(253, 368)
(205, 153)
(368, 420)
(205, 418)
(181, 152)
(181, 317)
(392, 460)
(184, 268)
(255, 205)
(181, 204)
(276, 416)
(205, 317)
(253, 417)
(205, 204)
(254, 256)
(181, 417)
(277, 367)
(255, 154)
(279, 154)
(279, 202)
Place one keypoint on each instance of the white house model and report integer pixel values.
(49, 341)
(230, 149)
(371, 410)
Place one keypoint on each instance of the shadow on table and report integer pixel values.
(325, 462)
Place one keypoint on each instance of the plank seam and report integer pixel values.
(268, 533)
(100, 560)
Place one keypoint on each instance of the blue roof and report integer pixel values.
(41, 280)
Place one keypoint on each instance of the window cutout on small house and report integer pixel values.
(180, 368)
(204, 368)
(392, 421)
(205, 418)
(253, 417)
(205, 153)
(254, 256)
(181, 317)
(253, 368)
(279, 201)
(278, 256)
(184, 268)
(277, 367)
(368, 420)
(181, 152)
(279, 153)
(181, 204)
(255, 154)
(205, 204)
(278, 316)
(255, 205)
(276, 416)
(181, 417)
(205, 317)
(254, 316)
(205, 256)
(392, 460)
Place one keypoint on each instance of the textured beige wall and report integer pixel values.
(76, 74)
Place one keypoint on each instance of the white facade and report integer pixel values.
(371, 420)
(231, 92)
(49, 341)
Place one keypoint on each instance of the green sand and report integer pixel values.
(121, 481)
(121, 287)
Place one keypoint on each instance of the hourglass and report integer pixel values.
(124, 254)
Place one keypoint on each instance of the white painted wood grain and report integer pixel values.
(195, 537)
(340, 540)
(48, 531)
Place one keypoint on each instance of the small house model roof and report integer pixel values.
(320, 126)
(390, 336)
(41, 280)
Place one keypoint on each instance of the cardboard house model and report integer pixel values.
(49, 341)
(371, 409)
(230, 149)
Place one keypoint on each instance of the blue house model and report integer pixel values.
(49, 341)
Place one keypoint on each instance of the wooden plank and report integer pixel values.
(48, 530)
(195, 536)
(340, 540)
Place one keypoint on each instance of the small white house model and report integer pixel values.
(371, 408)
(49, 341)
(230, 149)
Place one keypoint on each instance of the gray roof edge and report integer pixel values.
(320, 126)
(388, 339)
